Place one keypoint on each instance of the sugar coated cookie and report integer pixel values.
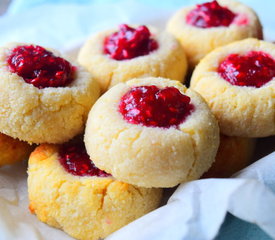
(152, 132)
(203, 27)
(238, 83)
(118, 55)
(43, 98)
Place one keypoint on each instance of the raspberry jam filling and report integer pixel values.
(210, 14)
(75, 160)
(154, 107)
(128, 43)
(252, 70)
(39, 67)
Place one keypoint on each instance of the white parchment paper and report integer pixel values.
(195, 211)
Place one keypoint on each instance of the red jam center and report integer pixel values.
(210, 14)
(154, 107)
(252, 70)
(128, 43)
(39, 67)
(74, 158)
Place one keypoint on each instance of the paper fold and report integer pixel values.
(195, 211)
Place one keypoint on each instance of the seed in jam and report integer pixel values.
(154, 107)
(253, 69)
(40, 67)
(210, 14)
(128, 43)
(75, 160)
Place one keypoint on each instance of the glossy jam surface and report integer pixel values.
(210, 14)
(253, 69)
(40, 67)
(128, 43)
(154, 107)
(75, 160)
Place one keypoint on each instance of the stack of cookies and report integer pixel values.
(102, 161)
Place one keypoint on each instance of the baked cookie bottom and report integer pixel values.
(234, 154)
(13, 150)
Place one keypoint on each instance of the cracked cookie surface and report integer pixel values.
(48, 115)
(85, 207)
(168, 61)
(243, 111)
(151, 156)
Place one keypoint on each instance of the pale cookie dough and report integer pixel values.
(48, 115)
(167, 61)
(234, 154)
(240, 110)
(151, 156)
(87, 208)
(197, 42)
(12, 150)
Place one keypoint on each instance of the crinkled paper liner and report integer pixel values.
(195, 211)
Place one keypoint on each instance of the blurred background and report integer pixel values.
(3, 6)
(64, 23)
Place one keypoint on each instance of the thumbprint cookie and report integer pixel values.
(117, 55)
(238, 83)
(43, 97)
(152, 132)
(67, 191)
(206, 26)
